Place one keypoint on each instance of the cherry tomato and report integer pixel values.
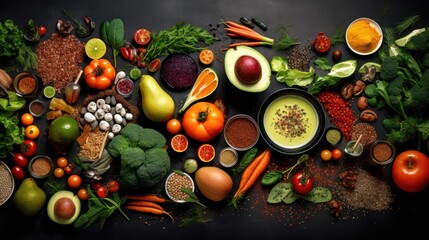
(206, 56)
(96, 185)
(69, 168)
(326, 155)
(27, 119)
(102, 191)
(62, 162)
(74, 181)
(20, 160)
(18, 172)
(59, 172)
(410, 171)
(82, 194)
(112, 186)
(321, 43)
(336, 154)
(173, 126)
(32, 132)
(28, 147)
(125, 53)
(154, 65)
(142, 36)
(302, 183)
(42, 30)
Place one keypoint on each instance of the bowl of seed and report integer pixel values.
(175, 183)
(7, 183)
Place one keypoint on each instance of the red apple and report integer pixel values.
(248, 69)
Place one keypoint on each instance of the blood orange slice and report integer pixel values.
(206, 152)
(179, 143)
(206, 83)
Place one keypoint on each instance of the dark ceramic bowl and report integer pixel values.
(291, 121)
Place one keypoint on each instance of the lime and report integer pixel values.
(190, 165)
(49, 92)
(135, 73)
(63, 130)
(403, 41)
(95, 48)
(343, 69)
(367, 64)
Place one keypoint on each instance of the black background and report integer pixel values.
(408, 216)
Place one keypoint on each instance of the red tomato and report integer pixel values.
(18, 172)
(20, 159)
(203, 121)
(302, 183)
(74, 181)
(112, 186)
(96, 185)
(410, 171)
(125, 53)
(42, 30)
(99, 74)
(82, 194)
(142, 36)
(336, 154)
(102, 191)
(154, 65)
(321, 43)
(28, 148)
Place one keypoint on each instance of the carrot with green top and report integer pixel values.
(251, 174)
(240, 31)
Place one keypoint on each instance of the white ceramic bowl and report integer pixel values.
(373, 24)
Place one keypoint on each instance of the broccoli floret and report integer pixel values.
(133, 132)
(151, 139)
(416, 97)
(418, 42)
(117, 145)
(154, 168)
(389, 68)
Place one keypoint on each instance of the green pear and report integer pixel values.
(157, 104)
(29, 199)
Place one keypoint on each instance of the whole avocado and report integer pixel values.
(63, 130)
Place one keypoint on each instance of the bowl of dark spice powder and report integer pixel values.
(241, 132)
(27, 84)
(382, 152)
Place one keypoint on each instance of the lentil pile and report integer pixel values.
(368, 132)
(59, 59)
(340, 112)
(241, 132)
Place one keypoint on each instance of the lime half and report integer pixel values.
(403, 41)
(49, 92)
(343, 69)
(135, 73)
(95, 48)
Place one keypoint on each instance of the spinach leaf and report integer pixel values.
(113, 34)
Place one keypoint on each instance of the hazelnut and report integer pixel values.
(362, 103)
(359, 88)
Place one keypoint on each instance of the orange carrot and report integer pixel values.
(148, 197)
(239, 30)
(232, 24)
(250, 44)
(246, 34)
(144, 204)
(151, 210)
(251, 174)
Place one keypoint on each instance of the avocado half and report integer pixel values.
(231, 57)
(60, 214)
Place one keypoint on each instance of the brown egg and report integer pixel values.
(213, 182)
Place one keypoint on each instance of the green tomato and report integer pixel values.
(190, 165)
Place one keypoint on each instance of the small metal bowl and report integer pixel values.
(382, 152)
(40, 166)
(7, 183)
(37, 108)
(173, 186)
(125, 87)
(27, 88)
(241, 132)
(228, 157)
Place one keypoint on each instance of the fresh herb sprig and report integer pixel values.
(100, 209)
(406, 23)
(284, 41)
(195, 213)
(181, 38)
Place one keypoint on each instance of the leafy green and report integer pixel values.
(112, 33)
(247, 158)
(406, 23)
(144, 160)
(11, 133)
(339, 36)
(322, 63)
(181, 38)
(279, 64)
(291, 76)
(284, 42)
(13, 47)
(283, 192)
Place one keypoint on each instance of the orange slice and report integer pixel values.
(206, 83)
(179, 143)
(206, 152)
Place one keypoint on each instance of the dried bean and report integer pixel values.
(347, 91)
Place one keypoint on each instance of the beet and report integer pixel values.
(179, 71)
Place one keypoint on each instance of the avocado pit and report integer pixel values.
(248, 69)
(64, 208)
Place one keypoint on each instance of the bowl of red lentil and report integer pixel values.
(174, 184)
(27, 84)
(241, 132)
(291, 121)
(40, 166)
(382, 152)
(7, 183)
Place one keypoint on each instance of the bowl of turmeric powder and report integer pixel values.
(364, 36)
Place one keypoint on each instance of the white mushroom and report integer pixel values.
(116, 128)
(100, 103)
(110, 135)
(108, 117)
(99, 114)
(129, 116)
(118, 118)
(106, 108)
(89, 117)
(104, 125)
(92, 107)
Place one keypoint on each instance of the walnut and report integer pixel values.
(348, 179)
(335, 208)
